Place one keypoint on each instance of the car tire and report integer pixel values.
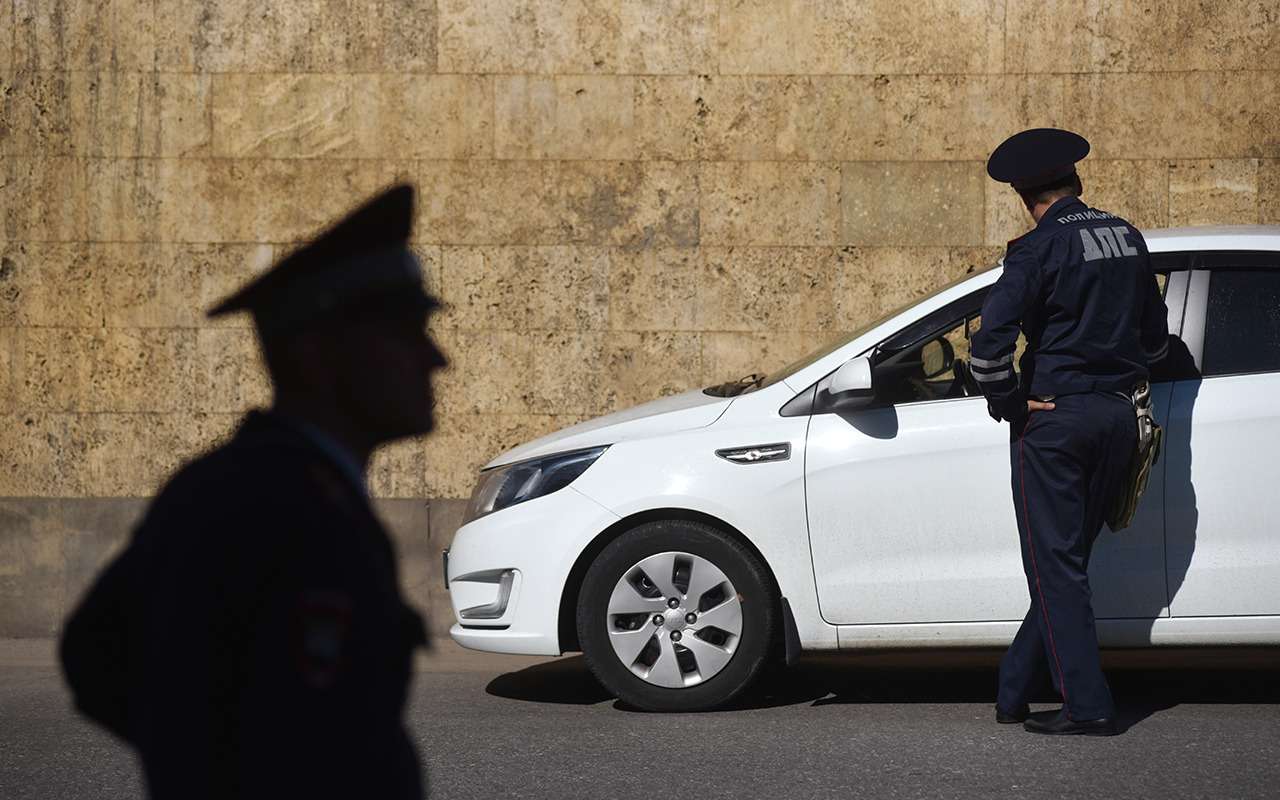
(719, 661)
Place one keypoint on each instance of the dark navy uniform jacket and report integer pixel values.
(251, 641)
(1081, 288)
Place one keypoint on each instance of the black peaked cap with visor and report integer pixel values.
(1037, 157)
(360, 264)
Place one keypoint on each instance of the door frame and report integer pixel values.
(1178, 285)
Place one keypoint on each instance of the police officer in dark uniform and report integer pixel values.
(1080, 287)
(251, 640)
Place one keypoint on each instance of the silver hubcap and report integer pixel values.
(674, 619)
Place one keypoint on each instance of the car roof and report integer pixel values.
(1159, 240)
(1213, 237)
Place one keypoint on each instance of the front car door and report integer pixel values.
(1223, 447)
(909, 500)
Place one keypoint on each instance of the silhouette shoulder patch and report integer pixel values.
(321, 632)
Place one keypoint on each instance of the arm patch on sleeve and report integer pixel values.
(321, 634)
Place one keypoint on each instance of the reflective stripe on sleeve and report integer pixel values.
(985, 364)
(983, 377)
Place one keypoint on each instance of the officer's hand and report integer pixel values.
(1036, 405)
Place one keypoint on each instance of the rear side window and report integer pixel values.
(1242, 322)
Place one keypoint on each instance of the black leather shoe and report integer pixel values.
(1011, 717)
(1058, 724)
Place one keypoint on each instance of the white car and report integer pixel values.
(860, 498)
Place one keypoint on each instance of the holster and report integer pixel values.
(1124, 506)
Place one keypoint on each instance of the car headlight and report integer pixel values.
(502, 487)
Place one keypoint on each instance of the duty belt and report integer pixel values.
(1125, 504)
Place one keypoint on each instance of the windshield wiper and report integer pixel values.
(735, 388)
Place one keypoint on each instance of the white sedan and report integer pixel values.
(860, 498)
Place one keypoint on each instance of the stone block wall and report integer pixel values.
(619, 199)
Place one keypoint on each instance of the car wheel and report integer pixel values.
(676, 616)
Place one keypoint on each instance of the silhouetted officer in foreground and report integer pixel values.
(1081, 288)
(251, 640)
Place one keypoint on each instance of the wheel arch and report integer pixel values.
(566, 626)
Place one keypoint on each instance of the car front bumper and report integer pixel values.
(506, 571)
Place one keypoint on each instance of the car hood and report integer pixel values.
(680, 412)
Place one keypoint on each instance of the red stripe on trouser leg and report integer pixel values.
(1031, 548)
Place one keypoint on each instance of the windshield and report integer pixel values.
(757, 381)
(832, 346)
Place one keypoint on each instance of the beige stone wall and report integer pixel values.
(620, 198)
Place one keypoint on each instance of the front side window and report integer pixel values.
(843, 339)
(1242, 322)
(929, 360)
(934, 369)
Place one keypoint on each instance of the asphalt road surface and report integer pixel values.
(1197, 724)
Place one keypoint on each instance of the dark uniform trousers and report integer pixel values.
(1066, 465)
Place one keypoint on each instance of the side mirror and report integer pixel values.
(937, 358)
(852, 379)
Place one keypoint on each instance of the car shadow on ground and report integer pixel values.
(564, 681)
(568, 681)
(1143, 682)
